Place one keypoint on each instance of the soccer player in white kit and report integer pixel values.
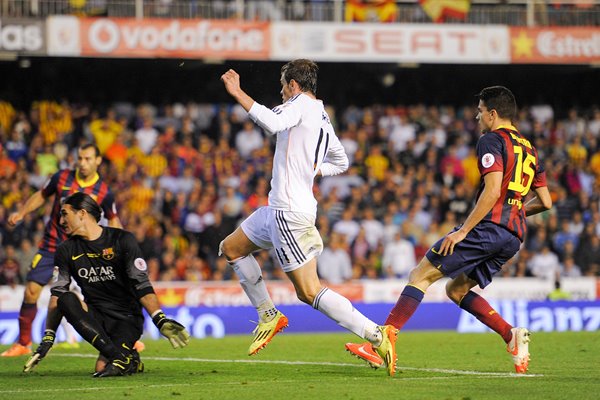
(306, 146)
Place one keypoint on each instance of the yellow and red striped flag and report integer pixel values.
(440, 10)
(371, 10)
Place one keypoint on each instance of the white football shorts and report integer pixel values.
(293, 235)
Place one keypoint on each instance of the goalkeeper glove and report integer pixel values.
(171, 329)
(41, 351)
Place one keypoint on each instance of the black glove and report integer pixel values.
(171, 329)
(41, 351)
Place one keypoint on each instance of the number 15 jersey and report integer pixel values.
(507, 151)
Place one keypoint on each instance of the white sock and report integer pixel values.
(339, 309)
(250, 276)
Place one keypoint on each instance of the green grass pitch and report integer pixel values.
(432, 365)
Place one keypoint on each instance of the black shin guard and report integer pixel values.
(71, 308)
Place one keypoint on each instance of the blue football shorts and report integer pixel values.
(480, 255)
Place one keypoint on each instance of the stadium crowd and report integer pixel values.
(184, 176)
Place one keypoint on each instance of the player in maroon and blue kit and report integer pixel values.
(475, 251)
(65, 182)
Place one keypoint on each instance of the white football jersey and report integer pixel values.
(306, 143)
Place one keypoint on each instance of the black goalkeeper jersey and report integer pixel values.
(110, 271)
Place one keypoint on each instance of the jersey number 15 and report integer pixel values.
(524, 172)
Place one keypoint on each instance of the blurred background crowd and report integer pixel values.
(186, 174)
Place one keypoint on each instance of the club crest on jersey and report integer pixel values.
(108, 254)
(487, 160)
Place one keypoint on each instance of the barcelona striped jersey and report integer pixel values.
(62, 184)
(507, 151)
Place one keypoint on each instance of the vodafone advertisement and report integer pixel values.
(573, 45)
(412, 43)
(170, 38)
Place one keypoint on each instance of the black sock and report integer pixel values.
(71, 308)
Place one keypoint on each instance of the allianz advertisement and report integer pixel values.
(219, 309)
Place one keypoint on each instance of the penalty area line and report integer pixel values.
(325, 363)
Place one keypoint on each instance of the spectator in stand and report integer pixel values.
(587, 255)
(544, 264)
(398, 257)
(347, 226)
(569, 269)
(401, 134)
(116, 153)
(562, 237)
(334, 264)
(147, 135)
(24, 254)
(377, 164)
(373, 228)
(565, 204)
(9, 268)
(537, 240)
(16, 146)
(360, 252)
(105, 131)
(248, 139)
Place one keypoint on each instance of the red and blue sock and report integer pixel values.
(405, 307)
(481, 309)
(27, 314)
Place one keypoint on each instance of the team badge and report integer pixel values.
(487, 160)
(108, 254)
(140, 264)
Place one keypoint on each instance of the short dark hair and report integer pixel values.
(501, 99)
(83, 201)
(304, 72)
(90, 146)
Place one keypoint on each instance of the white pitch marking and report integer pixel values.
(283, 362)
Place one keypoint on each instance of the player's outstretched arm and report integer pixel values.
(52, 321)
(176, 333)
(171, 329)
(33, 203)
(41, 351)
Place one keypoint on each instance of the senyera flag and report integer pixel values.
(441, 10)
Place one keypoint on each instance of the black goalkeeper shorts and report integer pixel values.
(121, 329)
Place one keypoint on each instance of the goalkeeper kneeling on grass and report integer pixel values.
(108, 266)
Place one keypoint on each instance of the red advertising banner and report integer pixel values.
(573, 45)
(132, 38)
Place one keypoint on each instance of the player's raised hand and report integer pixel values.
(231, 79)
(41, 351)
(172, 330)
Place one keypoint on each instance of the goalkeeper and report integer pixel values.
(108, 266)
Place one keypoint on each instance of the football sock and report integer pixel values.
(341, 310)
(251, 280)
(26, 316)
(481, 309)
(405, 307)
(70, 306)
